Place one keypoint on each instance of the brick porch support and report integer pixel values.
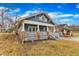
(48, 32)
(22, 36)
(38, 33)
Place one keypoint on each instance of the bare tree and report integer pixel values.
(11, 18)
(16, 19)
(3, 10)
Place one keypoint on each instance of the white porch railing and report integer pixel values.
(43, 35)
(30, 36)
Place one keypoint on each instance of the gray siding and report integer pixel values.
(30, 36)
(40, 18)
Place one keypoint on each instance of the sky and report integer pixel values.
(60, 13)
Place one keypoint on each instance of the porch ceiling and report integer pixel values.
(37, 23)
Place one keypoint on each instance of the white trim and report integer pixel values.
(31, 27)
(37, 27)
(47, 28)
(37, 23)
(23, 27)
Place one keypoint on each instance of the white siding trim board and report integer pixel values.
(37, 23)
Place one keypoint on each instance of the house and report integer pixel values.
(65, 29)
(35, 27)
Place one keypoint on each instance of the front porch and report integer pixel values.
(37, 32)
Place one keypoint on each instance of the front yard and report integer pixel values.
(10, 45)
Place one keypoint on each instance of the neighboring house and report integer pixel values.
(36, 27)
(65, 29)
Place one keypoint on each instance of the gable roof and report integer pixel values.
(38, 14)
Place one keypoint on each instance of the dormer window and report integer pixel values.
(42, 18)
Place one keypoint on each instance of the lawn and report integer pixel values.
(10, 46)
(76, 34)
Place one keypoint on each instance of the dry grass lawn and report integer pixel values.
(10, 46)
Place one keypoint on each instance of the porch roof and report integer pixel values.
(37, 23)
(67, 28)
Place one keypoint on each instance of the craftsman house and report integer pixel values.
(36, 27)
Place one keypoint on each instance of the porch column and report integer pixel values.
(47, 28)
(48, 32)
(23, 27)
(38, 33)
(22, 35)
(38, 28)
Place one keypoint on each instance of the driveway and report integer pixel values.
(70, 38)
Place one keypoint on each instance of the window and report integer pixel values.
(45, 19)
(32, 28)
(43, 28)
(42, 18)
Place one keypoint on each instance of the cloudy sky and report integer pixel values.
(61, 13)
